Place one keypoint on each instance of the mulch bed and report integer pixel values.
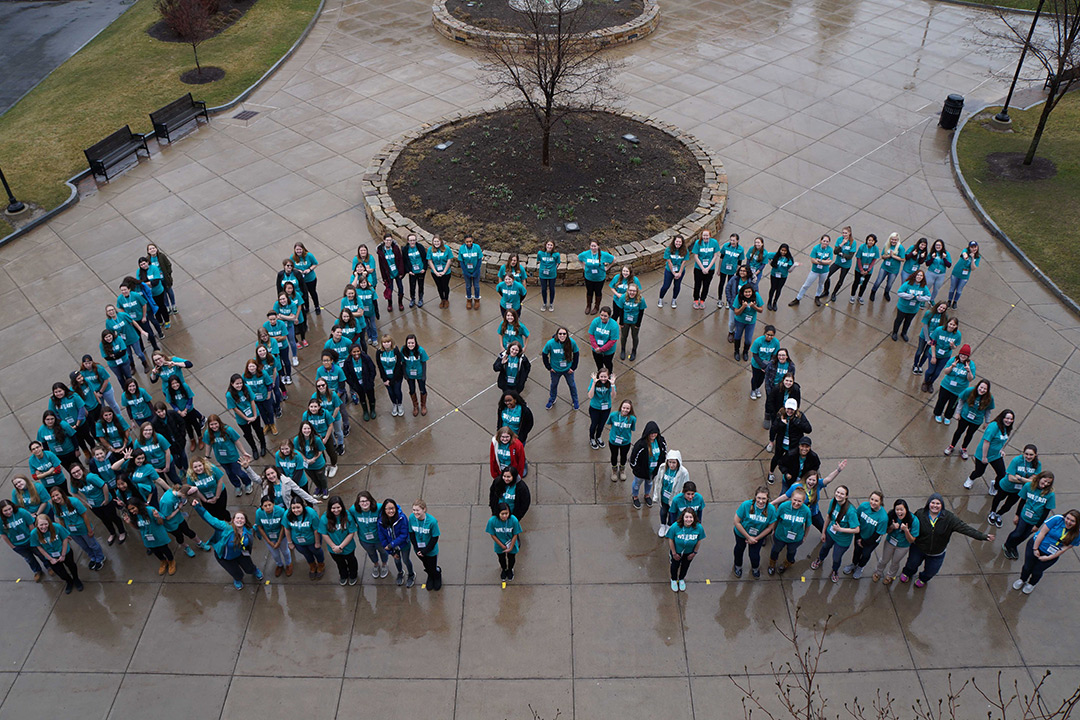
(209, 74)
(491, 182)
(498, 15)
(228, 15)
(1010, 166)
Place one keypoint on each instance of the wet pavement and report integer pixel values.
(825, 115)
(37, 37)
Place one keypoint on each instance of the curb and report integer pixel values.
(988, 222)
(1001, 8)
(71, 182)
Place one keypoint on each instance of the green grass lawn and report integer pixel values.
(1043, 216)
(119, 78)
(1021, 4)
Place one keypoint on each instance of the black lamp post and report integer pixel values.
(1003, 116)
(14, 206)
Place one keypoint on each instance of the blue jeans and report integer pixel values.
(547, 290)
(956, 286)
(555, 377)
(779, 546)
(916, 557)
(375, 551)
(668, 280)
(292, 340)
(755, 552)
(472, 283)
(1034, 567)
(172, 297)
(744, 332)
(934, 369)
(235, 473)
(122, 371)
(1019, 534)
(372, 331)
(403, 555)
(394, 391)
(110, 400)
(934, 281)
(91, 546)
(637, 485)
(888, 279)
(31, 556)
(837, 552)
(311, 553)
(281, 554)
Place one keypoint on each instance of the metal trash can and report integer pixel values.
(950, 112)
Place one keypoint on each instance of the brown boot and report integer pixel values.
(423, 403)
(278, 570)
(288, 570)
(415, 404)
(320, 568)
(313, 568)
(172, 567)
(476, 303)
(588, 306)
(468, 303)
(163, 568)
(273, 428)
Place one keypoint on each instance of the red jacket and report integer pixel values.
(517, 457)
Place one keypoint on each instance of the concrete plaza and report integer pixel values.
(824, 112)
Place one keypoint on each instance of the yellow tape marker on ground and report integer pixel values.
(708, 581)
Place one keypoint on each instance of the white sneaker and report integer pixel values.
(1028, 587)
(857, 573)
(991, 490)
(659, 303)
(674, 304)
(968, 482)
(662, 532)
(295, 361)
(674, 586)
(1018, 584)
(249, 488)
(331, 471)
(720, 304)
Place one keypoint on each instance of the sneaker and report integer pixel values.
(238, 584)
(239, 491)
(719, 304)
(904, 578)
(410, 581)
(753, 395)
(772, 478)
(249, 488)
(400, 578)
(593, 445)
(862, 302)
(1018, 584)
(781, 568)
(991, 490)
(737, 570)
(793, 303)
(662, 531)
(353, 580)
(968, 483)
(771, 570)
(815, 564)
(848, 569)
(384, 571)
(167, 325)
(755, 572)
(947, 420)
(937, 418)
(502, 576)
(964, 453)
(997, 520)
(343, 582)
(637, 503)
(648, 500)
(834, 577)
(258, 574)
(916, 370)
(857, 573)
(600, 442)
(851, 301)
(550, 404)
(674, 586)
(374, 571)
(295, 362)
(682, 586)
(674, 304)
(331, 471)
(948, 450)
(920, 584)
(659, 303)
(509, 575)
(187, 551)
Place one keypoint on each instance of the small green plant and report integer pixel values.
(565, 211)
(635, 161)
(539, 210)
(501, 192)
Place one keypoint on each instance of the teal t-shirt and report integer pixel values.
(316, 460)
(302, 529)
(931, 321)
(705, 250)
(872, 522)
(783, 266)
(595, 265)
(47, 463)
(509, 495)
(762, 351)
(511, 293)
(622, 428)
(848, 520)
(151, 532)
(509, 333)
(891, 265)
(556, 355)
(367, 523)
(917, 296)
(676, 257)
(844, 251)
(1036, 505)
(685, 538)
(601, 399)
(605, 332)
(897, 538)
(995, 438)
(271, 522)
(749, 314)
(1020, 467)
(423, 531)
(207, 483)
(469, 257)
(511, 418)
(18, 527)
(866, 256)
(955, 376)
(820, 259)
(53, 545)
(91, 487)
(155, 449)
(415, 259)
(697, 503)
(223, 444)
(791, 524)
(71, 517)
(667, 485)
(632, 310)
(968, 409)
(439, 259)
(962, 267)
(944, 343)
(169, 502)
(936, 263)
(338, 534)
(504, 530)
(548, 263)
(415, 364)
(731, 257)
(754, 519)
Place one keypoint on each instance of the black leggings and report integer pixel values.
(347, 565)
(630, 331)
(1009, 499)
(162, 553)
(246, 429)
(775, 286)
(902, 319)
(594, 289)
(181, 532)
(722, 281)
(109, 518)
(442, 283)
(864, 550)
(433, 571)
(980, 468)
(193, 423)
(66, 569)
(946, 403)
(680, 566)
(604, 361)
(619, 453)
(965, 428)
(367, 398)
(839, 282)
(236, 567)
(311, 293)
(859, 283)
(162, 314)
(597, 418)
(702, 281)
(318, 477)
(507, 560)
(416, 281)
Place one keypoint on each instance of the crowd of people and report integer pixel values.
(145, 460)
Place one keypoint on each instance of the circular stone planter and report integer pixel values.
(461, 32)
(648, 254)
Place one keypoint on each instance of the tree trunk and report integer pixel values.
(1048, 107)
(198, 68)
(545, 159)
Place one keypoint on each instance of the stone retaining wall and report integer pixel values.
(472, 36)
(383, 217)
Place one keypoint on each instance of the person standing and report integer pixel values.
(633, 311)
(780, 385)
(603, 338)
(873, 524)
(360, 372)
(560, 356)
(514, 413)
(302, 528)
(393, 530)
(646, 458)
(762, 351)
(942, 343)
(892, 257)
(505, 530)
(933, 317)
(731, 256)
(684, 541)
(843, 253)
(1023, 468)
(424, 535)
(744, 311)
(440, 259)
(704, 251)
(471, 258)
(416, 360)
(961, 273)
(547, 271)
(1060, 533)
(840, 528)
(623, 423)
(391, 366)
(16, 524)
(821, 258)
(53, 542)
(415, 256)
(507, 452)
(601, 395)
(513, 368)
(305, 263)
(938, 263)
(595, 263)
(754, 521)
(339, 536)
(510, 489)
(232, 542)
(912, 295)
(147, 520)
(865, 257)
(365, 516)
(793, 518)
(780, 265)
(669, 486)
(992, 444)
(955, 378)
(391, 269)
(1037, 499)
(270, 524)
(674, 257)
(903, 528)
(936, 528)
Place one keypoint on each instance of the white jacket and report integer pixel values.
(681, 476)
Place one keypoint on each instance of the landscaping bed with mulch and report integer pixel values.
(227, 13)
(498, 15)
(490, 181)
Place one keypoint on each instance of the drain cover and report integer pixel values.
(245, 115)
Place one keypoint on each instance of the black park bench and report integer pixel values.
(177, 113)
(114, 149)
(1070, 74)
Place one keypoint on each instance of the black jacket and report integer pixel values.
(396, 258)
(170, 427)
(789, 465)
(526, 425)
(774, 400)
(399, 367)
(301, 288)
(770, 377)
(367, 372)
(519, 383)
(522, 497)
(796, 426)
(934, 538)
(639, 454)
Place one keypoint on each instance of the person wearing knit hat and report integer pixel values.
(936, 527)
(958, 374)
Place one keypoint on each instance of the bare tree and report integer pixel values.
(796, 688)
(557, 70)
(193, 21)
(1057, 51)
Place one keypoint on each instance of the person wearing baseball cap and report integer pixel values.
(797, 462)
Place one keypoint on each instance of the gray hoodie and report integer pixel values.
(681, 476)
